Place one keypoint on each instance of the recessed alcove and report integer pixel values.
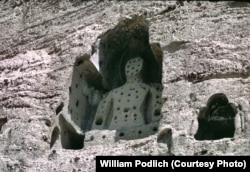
(70, 139)
(3, 121)
(216, 120)
(59, 108)
(117, 47)
(129, 39)
(54, 136)
(93, 79)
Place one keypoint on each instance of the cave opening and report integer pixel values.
(216, 120)
(70, 139)
(2, 122)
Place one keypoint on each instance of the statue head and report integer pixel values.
(133, 69)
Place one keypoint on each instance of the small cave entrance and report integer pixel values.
(3, 121)
(70, 139)
(59, 108)
(216, 120)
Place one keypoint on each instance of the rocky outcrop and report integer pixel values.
(200, 48)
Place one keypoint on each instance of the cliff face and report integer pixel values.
(202, 49)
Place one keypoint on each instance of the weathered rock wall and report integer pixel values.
(206, 55)
(205, 49)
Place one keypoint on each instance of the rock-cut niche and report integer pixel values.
(119, 86)
(216, 120)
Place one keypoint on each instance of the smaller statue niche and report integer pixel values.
(216, 120)
(127, 109)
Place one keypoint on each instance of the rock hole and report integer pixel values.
(79, 62)
(121, 134)
(91, 138)
(59, 108)
(155, 129)
(77, 102)
(125, 109)
(157, 112)
(192, 97)
(216, 120)
(2, 122)
(70, 139)
(103, 136)
(48, 122)
(139, 132)
(99, 121)
(70, 90)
